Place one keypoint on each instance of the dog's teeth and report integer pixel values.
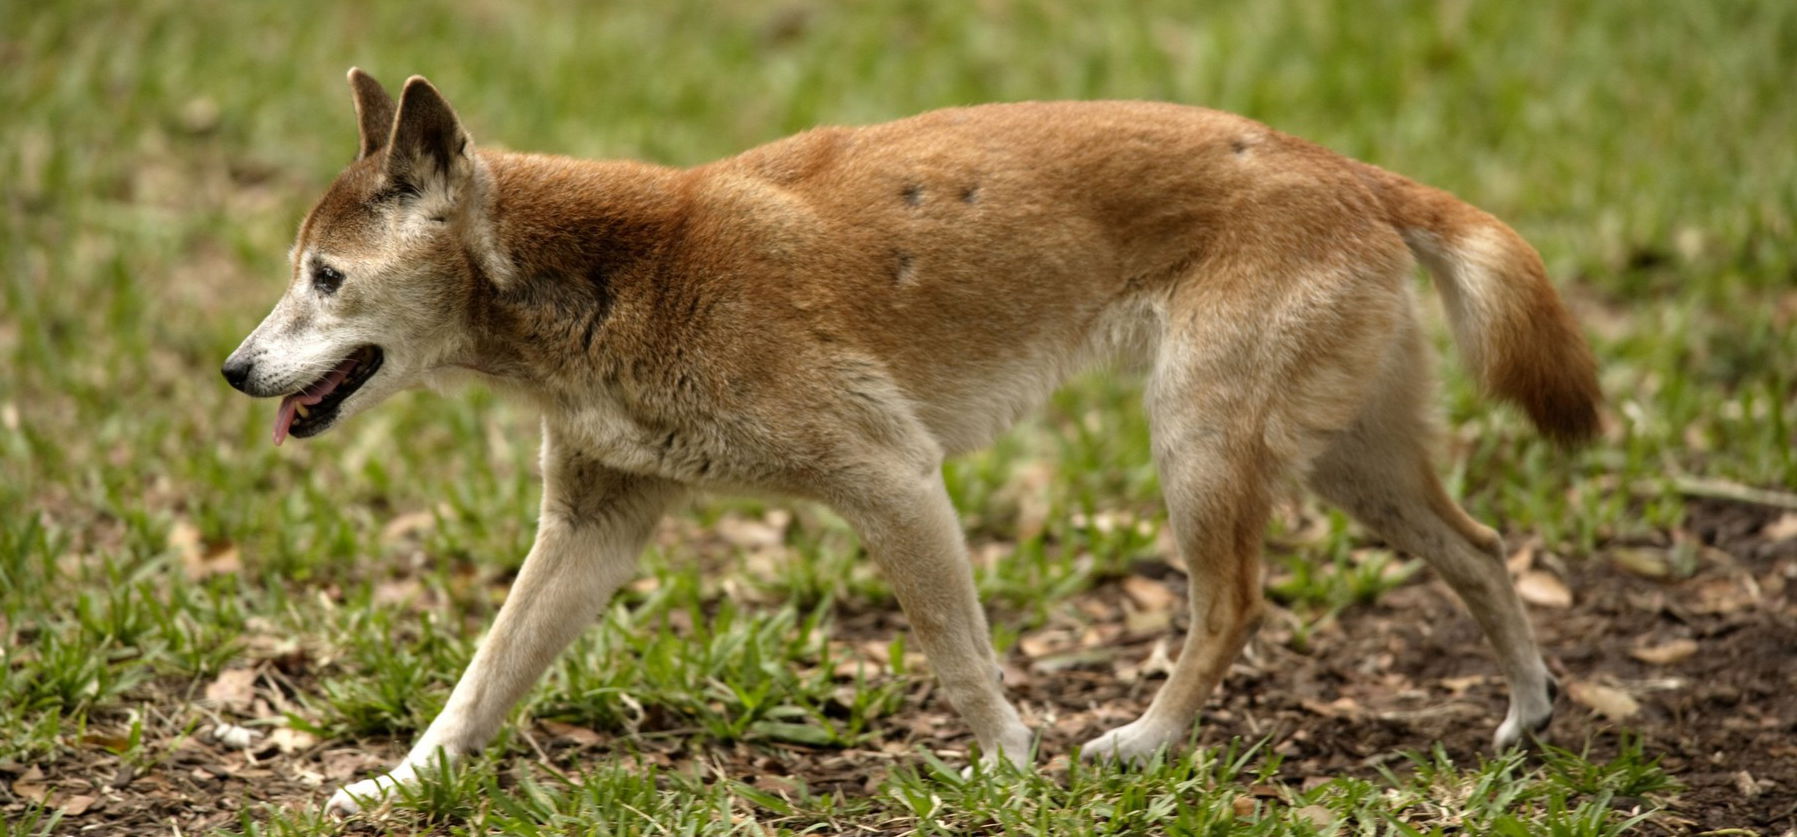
(301, 409)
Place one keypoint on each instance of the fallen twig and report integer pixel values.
(1723, 490)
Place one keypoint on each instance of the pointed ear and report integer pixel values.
(428, 147)
(374, 111)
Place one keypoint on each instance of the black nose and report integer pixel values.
(237, 373)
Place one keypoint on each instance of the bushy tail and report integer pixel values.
(1509, 323)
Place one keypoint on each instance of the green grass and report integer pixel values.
(156, 156)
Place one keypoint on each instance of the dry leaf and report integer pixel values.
(1244, 806)
(31, 791)
(235, 687)
(341, 765)
(1542, 588)
(185, 541)
(197, 561)
(1032, 483)
(1726, 595)
(114, 742)
(407, 525)
(1522, 560)
(1782, 529)
(1642, 561)
(1341, 707)
(289, 740)
(1665, 654)
(75, 806)
(1458, 685)
(1614, 704)
(577, 734)
(750, 534)
(1147, 622)
(1044, 643)
(1149, 594)
(398, 591)
(1159, 661)
(1318, 815)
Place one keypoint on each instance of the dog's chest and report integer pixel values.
(607, 431)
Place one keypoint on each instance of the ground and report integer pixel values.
(1701, 659)
(203, 634)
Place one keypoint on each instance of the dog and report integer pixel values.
(829, 316)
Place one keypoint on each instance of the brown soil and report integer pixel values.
(1405, 673)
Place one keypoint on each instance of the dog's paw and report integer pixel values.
(1017, 749)
(1524, 721)
(1132, 743)
(357, 797)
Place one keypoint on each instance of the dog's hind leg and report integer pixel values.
(1258, 365)
(1378, 471)
(1208, 410)
(1216, 486)
(594, 523)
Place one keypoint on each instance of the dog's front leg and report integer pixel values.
(594, 522)
(910, 528)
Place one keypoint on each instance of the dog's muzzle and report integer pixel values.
(237, 373)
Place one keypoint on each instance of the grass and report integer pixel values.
(156, 156)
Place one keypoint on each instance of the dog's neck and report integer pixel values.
(562, 216)
(569, 255)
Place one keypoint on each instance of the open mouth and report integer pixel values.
(311, 410)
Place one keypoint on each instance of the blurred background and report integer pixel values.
(157, 156)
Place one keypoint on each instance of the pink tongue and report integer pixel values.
(309, 396)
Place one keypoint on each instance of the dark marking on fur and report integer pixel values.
(1238, 145)
(300, 323)
(970, 193)
(696, 306)
(396, 191)
(600, 280)
(1389, 511)
(906, 271)
(913, 194)
(586, 338)
(667, 444)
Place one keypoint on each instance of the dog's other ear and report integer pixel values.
(374, 111)
(428, 148)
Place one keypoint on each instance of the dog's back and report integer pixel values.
(980, 254)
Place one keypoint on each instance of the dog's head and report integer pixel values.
(381, 276)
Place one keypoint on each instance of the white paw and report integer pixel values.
(1131, 743)
(1526, 717)
(1016, 747)
(360, 796)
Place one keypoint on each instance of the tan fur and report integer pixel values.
(830, 315)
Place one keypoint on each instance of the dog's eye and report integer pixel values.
(326, 278)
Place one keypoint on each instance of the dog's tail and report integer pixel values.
(1509, 323)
